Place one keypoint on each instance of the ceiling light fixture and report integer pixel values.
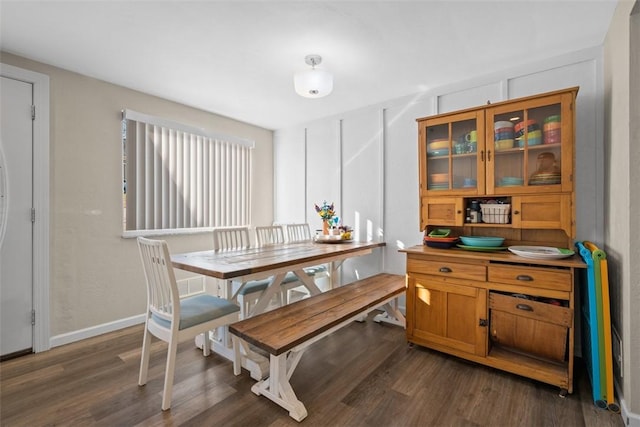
(313, 83)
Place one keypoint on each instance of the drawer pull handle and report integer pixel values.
(524, 278)
(445, 270)
(524, 307)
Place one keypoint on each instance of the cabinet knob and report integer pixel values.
(445, 270)
(516, 212)
(458, 212)
(524, 278)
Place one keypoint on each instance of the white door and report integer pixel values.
(16, 227)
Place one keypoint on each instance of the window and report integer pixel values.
(181, 179)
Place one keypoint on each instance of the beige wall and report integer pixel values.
(96, 276)
(623, 193)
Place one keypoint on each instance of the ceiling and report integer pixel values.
(237, 58)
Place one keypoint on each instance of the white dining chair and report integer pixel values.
(274, 235)
(297, 233)
(232, 239)
(172, 319)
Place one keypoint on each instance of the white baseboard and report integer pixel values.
(94, 331)
(629, 419)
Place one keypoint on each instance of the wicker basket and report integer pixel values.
(495, 213)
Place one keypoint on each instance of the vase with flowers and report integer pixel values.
(326, 212)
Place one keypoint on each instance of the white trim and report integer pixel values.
(629, 418)
(41, 278)
(94, 331)
(159, 121)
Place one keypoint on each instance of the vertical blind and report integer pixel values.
(180, 177)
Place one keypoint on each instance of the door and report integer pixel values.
(16, 227)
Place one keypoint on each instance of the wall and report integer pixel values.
(392, 165)
(96, 276)
(622, 156)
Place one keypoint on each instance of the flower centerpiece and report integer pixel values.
(326, 212)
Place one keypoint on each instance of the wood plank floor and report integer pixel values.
(363, 375)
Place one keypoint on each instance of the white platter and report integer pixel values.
(540, 252)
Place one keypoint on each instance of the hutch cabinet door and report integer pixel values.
(445, 315)
(529, 145)
(446, 211)
(550, 211)
(451, 148)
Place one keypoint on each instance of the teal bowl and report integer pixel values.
(482, 241)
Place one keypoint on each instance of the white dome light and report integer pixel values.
(313, 83)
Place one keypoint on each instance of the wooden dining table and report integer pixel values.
(271, 262)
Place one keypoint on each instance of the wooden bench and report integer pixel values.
(286, 332)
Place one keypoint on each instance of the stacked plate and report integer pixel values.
(481, 243)
(503, 135)
(551, 128)
(510, 181)
(545, 178)
(438, 147)
(439, 186)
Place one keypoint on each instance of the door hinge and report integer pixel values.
(483, 322)
(33, 317)
(33, 112)
(33, 214)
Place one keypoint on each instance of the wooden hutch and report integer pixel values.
(494, 307)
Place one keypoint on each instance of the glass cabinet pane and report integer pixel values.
(452, 155)
(527, 147)
(465, 148)
(438, 149)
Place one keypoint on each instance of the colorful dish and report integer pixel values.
(482, 248)
(481, 241)
(322, 238)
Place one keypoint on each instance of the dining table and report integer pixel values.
(271, 262)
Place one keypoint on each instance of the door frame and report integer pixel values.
(41, 275)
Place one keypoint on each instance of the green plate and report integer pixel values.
(482, 248)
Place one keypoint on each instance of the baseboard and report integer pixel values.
(94, 331)
(629, 419)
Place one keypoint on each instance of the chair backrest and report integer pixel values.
(269, 235)
(298, 233)
(231, 239)
(163, 297)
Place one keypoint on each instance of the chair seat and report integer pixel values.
(199, 309)
(312, 271)
(254, 286)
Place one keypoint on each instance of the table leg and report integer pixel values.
(392, 314)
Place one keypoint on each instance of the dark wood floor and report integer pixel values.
(363, 375)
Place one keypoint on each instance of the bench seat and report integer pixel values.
(287, 331)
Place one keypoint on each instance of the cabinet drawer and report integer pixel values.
(533, 327)
(533, 277)
(448, 269)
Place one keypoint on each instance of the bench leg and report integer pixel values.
(277, 387)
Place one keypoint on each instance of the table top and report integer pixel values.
(232, 264)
